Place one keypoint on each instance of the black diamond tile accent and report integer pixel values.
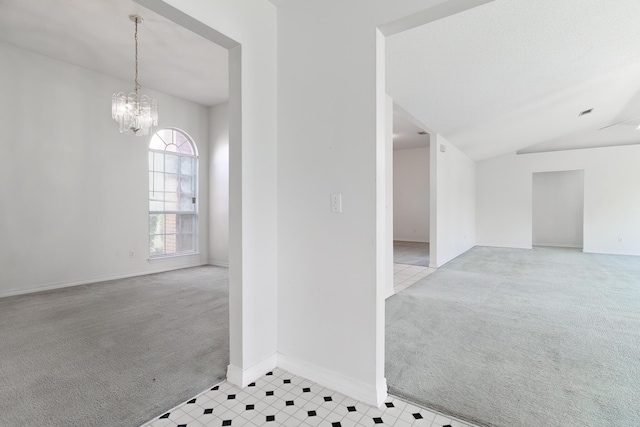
(165, 415)
(231, 397)
(417, 416)
(311, 413)
(306, 390)
(215, 388)
(226, 422)
(269, 373)
(328, 399)
(208, 411)
(336, 424)
(269, 393)
(250, 407)
(182, 425)
(271, 418)
(252, 385)
(448, 425)
(289, 402)
(389, 405)
(351, 408)
(377, 420)
(191, 401)
(287, 381)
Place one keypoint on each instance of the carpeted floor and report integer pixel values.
(412, 253)
(114, 353)
(521, 338)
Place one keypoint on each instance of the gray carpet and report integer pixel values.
(413, 253)
(521, 338)
(114, 353)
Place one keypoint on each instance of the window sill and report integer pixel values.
(161, 258)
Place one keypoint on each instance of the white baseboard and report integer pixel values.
(366, 393)
(219, 263)
(60, 285)
(391, 293)
(243, 377)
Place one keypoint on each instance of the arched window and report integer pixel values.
(173, 178)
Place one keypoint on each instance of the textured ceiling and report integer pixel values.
(98, 35)
(513, 74)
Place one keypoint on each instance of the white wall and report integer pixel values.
(75, 190)
(219, 185)
(558, 208)
(248, 29)
(411, 195)
(388, 188)
(330, 99)
(611, 197)
(454, 202)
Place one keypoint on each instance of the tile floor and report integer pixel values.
(282, 399)
(405, 275)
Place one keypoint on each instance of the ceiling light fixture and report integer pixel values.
(133, 113)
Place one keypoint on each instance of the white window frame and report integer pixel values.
(194, 212)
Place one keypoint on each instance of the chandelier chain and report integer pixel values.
(136, 39)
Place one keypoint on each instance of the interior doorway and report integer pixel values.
(558, 209)
(411, 201)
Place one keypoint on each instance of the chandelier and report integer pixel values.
(137, 114)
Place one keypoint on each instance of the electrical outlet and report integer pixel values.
(336, 203)
(132, 253)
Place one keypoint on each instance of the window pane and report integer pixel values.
(156, 245)
(156, 224)
(186, 203)
(155, 206)
(157, 182)
(170, 244)
(186, 167)
(179, 138)
(186, 184)
(187, 223)
(156, 142)
(173, 148)
(170, 223)
(187, 243)
(170, 182)
(158, 162)
(171, 163)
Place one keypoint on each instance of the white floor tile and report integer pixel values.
(290, 406)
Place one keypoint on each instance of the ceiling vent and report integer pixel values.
(582, 113)
(422, 132)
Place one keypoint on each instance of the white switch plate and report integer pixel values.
(336, 203)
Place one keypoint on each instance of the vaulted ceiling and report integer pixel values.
(514, 75)
(98, 35)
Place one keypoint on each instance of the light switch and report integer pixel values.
(336, 203)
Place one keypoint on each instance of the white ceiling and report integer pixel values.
(514, 74)
(98, 35)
